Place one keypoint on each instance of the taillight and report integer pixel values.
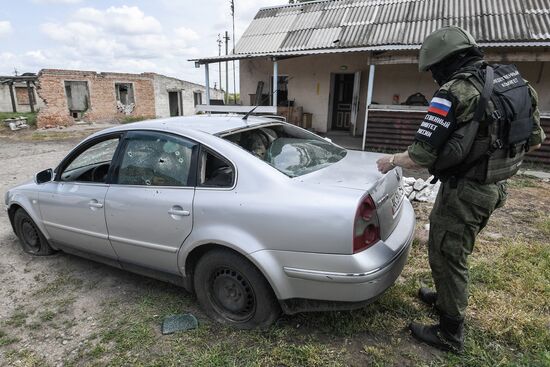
(366, 231)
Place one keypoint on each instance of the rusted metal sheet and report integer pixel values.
(396, 130)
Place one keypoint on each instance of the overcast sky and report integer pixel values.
(118, 35)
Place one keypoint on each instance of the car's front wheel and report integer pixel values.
(231, 290)
(32, 239)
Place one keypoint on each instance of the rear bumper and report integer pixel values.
(345, 279)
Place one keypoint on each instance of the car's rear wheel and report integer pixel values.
(232, 291)
(32, 239)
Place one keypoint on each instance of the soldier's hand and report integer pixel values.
(384, 164)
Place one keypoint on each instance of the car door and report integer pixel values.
(72, 206)
(149, 206)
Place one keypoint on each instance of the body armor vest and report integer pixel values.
(501, 138)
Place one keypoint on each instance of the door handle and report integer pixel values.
(178, 210)
(95, 204)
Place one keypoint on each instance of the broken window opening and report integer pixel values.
(197, 98)
(215, 171)
(78, 98)
(125, 97)
(125, 93)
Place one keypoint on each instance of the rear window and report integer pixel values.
(291, 150)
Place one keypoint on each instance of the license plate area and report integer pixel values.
(397, 200)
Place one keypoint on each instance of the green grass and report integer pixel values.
(507, 323)
(17, 319)
(543, 225)
(6, 340)
(61, 282)
(520, 182)
(24, 357)
(47, 315)
(31, 116)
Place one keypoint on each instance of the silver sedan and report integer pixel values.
(255, 216)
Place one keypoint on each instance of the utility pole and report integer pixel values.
(233, 51)
(219, 41)
(226, 68)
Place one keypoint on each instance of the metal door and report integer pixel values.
(74, 216)
(149, 206)
(72, 206)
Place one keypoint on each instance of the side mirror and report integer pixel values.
(328, 139)
(44, 176)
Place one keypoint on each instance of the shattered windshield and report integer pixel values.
(291, 150)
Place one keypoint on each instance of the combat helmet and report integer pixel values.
(442, 43)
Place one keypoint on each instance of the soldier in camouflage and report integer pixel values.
(464, 202)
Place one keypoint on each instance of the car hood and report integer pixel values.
(357, 170)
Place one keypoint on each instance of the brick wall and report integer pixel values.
(102, 96)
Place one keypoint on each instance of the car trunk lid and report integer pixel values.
(358, 171)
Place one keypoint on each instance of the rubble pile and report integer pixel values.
(420, 190)
(16, 123)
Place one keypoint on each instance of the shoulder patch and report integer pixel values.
(440, 106)
(439, 123)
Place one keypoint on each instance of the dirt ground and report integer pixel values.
(63, 310)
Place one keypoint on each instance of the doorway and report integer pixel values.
(342, 101)
(174, 104)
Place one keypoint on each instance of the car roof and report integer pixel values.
(210, 124)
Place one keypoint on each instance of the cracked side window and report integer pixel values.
(93, 164)
(156, 160)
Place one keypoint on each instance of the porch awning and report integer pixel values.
(289, 54)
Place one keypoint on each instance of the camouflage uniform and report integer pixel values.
(460, 212)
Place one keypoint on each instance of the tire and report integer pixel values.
(31, 238)
(232, 291)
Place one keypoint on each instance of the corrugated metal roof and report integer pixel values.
(337, 24)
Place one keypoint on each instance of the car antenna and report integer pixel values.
(245, 117)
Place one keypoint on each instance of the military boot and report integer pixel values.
(427, 296)
(448, 335)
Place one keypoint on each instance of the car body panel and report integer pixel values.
(358, 277)
(157, 240)
(73, 213)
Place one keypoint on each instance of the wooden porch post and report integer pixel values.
(369, 101)
(12, 95)
(275, 81)
(31, 96)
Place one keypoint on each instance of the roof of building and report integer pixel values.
(357, 25)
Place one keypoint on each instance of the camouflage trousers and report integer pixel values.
(458, 215)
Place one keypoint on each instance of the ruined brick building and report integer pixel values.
(71, 96)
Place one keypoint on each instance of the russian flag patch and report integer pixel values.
(440, 106)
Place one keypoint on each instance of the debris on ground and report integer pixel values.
(16, 123)
(182, 322)
(420, 190)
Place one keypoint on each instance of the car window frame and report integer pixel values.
(207, 149)
(81, 148)
(192, 178)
